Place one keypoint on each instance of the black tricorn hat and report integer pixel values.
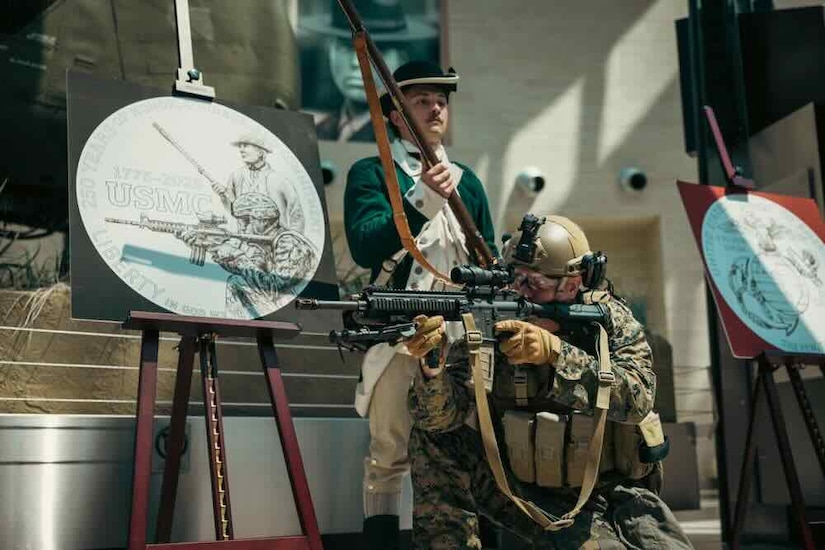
(420, 72)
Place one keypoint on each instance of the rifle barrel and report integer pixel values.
(313, 304)
(121, 221)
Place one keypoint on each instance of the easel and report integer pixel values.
(201, 332)
(767, 363)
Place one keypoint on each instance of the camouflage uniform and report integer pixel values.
(260, 275)
(452, 482)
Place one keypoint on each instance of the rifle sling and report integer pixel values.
(388, 164)
(481, 352)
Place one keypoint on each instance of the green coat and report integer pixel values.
(371, 232)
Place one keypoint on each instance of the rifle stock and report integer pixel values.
(475, 241)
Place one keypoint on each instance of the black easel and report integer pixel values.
(767, 364)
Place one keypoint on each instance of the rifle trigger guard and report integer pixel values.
(474, 339)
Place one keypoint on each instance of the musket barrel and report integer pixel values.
(168, 137)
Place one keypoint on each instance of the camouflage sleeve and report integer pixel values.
(441, 403)
(632, 394)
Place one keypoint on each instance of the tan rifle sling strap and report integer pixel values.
(388, 164)
(481, 359)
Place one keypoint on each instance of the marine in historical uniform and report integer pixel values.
(567, 411)
(374, 243)
(257, 176)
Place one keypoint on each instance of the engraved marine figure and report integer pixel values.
(259, 274)
(257, 176)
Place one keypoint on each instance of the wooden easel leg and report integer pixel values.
(141, 475)
(746, 473)
(289, 442)
(176, 439)
(218, 470)
(791, 477)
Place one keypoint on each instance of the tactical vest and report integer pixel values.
(547, 443)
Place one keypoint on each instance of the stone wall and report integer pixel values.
(50, 363)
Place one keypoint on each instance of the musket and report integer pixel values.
(201, 170)
(475, 241)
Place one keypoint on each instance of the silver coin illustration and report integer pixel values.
(199, 208)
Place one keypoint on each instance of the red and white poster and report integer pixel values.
(764, 256)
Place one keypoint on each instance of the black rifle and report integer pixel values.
(377, 308)
(208, 226)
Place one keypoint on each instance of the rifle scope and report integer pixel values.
(473, 275)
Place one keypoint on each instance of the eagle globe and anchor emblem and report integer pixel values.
(766, 264)
(752, 281)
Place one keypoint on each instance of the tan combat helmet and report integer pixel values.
(560, 247)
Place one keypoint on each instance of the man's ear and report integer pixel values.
(395, 118)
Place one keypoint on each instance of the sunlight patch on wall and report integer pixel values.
(481, 167)
(549, 142)
(638, 71)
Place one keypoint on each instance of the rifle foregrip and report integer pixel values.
(448, 307)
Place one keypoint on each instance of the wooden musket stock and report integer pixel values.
(475, 242)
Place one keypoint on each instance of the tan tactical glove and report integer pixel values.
(528, 343)
(427, 337)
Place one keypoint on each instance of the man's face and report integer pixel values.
(260, 225)
(429, 107)
(534, 286)
(250, 154)
(343, 64)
